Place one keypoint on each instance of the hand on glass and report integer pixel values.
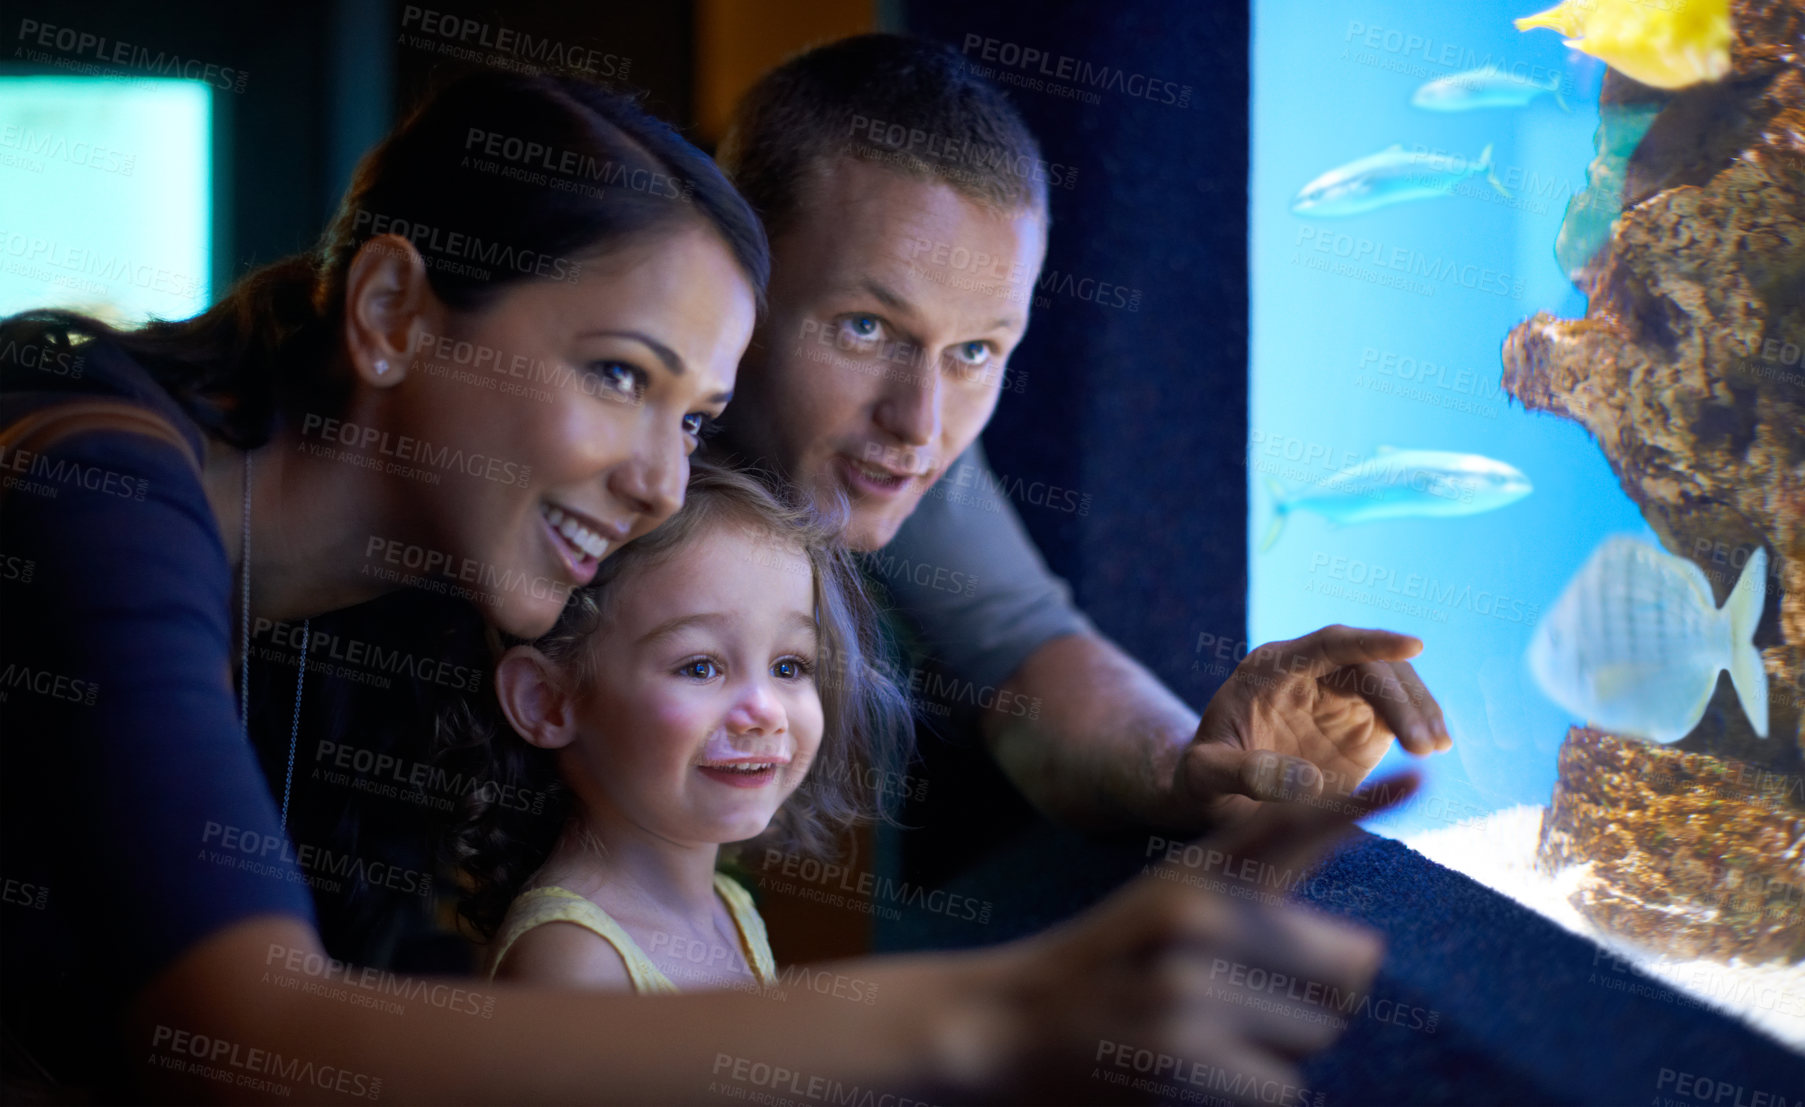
(1300, 716)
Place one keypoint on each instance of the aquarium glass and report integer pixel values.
(1412, 166)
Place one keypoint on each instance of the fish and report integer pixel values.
(1400, 484)
(1667, 45)
(1635, 642)
(1487, 87)
(1391, 176)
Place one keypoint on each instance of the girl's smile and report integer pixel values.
(703, 715)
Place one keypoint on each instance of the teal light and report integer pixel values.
(106, 196)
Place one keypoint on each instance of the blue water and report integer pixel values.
(1333, 353)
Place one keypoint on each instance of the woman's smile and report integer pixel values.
(578, 540)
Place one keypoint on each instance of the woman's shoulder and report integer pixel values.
(41, 368)
(100, 488)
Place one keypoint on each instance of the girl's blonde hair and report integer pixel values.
(509, 819)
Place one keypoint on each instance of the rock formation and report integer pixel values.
(1689, 370)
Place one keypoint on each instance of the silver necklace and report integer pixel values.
(244, 656)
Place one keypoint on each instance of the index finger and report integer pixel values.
(1286, 835)
(1406, 705)
(1323, 651)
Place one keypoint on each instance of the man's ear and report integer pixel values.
(537, 697)
(387, 298)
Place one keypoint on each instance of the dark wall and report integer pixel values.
(644, 48)
(1141, 404)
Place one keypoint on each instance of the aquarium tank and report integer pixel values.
(1528, 310)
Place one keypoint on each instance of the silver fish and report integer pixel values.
(1391, 176)
(1486, 87)
(1635, 643)
(1404, 484)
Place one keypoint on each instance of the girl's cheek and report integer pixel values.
(680, 709)
(810, 722)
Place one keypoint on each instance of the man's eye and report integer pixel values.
(700, 669)
(618, 379)
(972, 354)
(862, 328)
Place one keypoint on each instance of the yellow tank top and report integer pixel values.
(551, 904)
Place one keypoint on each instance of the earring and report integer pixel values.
(382, 366)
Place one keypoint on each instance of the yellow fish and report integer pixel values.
(1664, 43)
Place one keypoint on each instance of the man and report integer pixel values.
(908, 218)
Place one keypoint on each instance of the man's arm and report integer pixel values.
(1089, 735)
(1107, 741)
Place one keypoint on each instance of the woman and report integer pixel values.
(354, 421)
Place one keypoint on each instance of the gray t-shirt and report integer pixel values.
(964, 572)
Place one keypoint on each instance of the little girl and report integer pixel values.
(721, 679)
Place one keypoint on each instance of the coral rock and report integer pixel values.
(1689, 854)
(1689, 367)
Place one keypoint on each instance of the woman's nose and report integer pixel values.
(652, 481)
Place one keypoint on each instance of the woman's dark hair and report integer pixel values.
(506, 826)
(496, 179)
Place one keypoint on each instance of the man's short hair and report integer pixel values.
(907, 103)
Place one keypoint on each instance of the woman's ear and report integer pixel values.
(387, 298)
(537, 697)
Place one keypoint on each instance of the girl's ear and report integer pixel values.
(537, 697)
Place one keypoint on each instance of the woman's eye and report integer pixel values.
(700, 669)
(619, 380)
(699, 424)
(862, 329)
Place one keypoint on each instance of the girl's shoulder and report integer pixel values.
(553, 935)
(561, 951)
(754, 939)
(735, 893)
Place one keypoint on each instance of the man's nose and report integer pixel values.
(910, 407)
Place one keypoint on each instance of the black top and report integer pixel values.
(134, 819)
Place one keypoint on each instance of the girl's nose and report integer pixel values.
(756, 710)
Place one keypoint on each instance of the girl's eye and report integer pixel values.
(620, 380)
(862, 329)
(700, 669)
(792, 668)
